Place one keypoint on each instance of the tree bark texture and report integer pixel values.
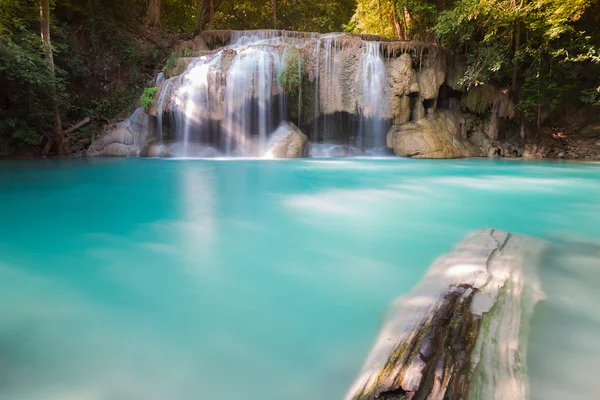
(47, 46)
(153, 16)
(206, 15)
(211, 14)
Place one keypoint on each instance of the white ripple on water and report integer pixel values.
(344, 201)
(511, 183)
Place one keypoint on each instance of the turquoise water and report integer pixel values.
(126, 279)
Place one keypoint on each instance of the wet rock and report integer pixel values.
(120, 150)
(442, 340)
(439, 136)
(430, 80)
(480, 99)
(127, 138)
(288, 142)
(195, 47)
(179, 68)
(121, 134)
(155, 150)
(533, 151)
(86, 141)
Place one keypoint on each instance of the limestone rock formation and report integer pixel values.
(441, 135)
(403, 81)
(331, 64)
(490, 99)
(288, 142)
(126, 139)
(155, 150)
(229, 89)
(462, 332)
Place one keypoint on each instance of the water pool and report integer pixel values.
(253, 279)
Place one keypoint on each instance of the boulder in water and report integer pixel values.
(288, 142)
(462, 332)
(126, 139)
(437, 136)
(120, 150)
(155, 150)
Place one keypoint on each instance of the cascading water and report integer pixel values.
(373, 127)
(327, 89)
(196, 101)
(232, 99)
(161, 105)
(160, 78)
(251, 86)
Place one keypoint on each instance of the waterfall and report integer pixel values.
(196, 102)
(160, 78)
(248, 105)
(328, 82)
(315, 135)
(326, 85)
(373, 127)
(161, 103)
(232, 98)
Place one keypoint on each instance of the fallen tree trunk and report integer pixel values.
(78, 125)
(462, 333)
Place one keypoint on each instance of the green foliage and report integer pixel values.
(374, 17)
(300, 15)
(170, 62)
(404, 19)
(591, 96)
(531, 46)
(187, 53)
(293, 78)
(545, 89)
(148, 97)
(292, 71)
(16, 132)
(99, 63)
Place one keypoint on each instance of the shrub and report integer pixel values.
(148, 97)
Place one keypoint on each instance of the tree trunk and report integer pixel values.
(206, 16)
(517, 33)
(47, 45)
(274, 12)
(539, 120)
(396, 25)
(407, 23)
(153, 16)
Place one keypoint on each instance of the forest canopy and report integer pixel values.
(103, 52)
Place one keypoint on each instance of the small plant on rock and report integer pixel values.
(170, 62)
(148, 97)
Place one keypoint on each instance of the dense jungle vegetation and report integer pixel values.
(63, 61)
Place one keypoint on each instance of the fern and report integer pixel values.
(148, 97)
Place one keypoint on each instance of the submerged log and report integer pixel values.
(462, 332)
